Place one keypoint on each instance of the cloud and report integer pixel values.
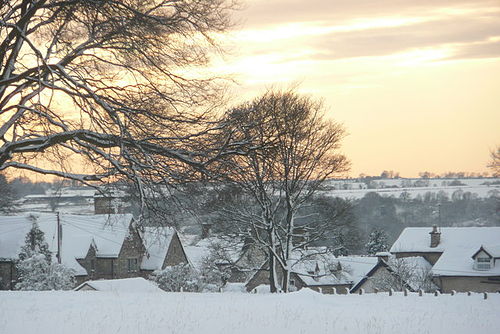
(462, 28)
(259, 13)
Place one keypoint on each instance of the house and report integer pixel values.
(136, 284)
(312, 268)
(462, 258)
(94, 246)
(385, 272)
(162, 248)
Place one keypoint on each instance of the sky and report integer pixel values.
(415, 83)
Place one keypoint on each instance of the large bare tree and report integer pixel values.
(296, 152)
(109, 86)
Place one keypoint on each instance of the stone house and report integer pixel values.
(462, 258)
(94, 246)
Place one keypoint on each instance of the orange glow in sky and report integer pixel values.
(416, 83)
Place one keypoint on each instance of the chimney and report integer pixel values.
(435, 236)
(383, 256)
(205, 230)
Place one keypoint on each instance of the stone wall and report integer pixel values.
(8, 275)
(175, 254)
(465, 283)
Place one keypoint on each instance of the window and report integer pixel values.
(483, 263)
(132, 265)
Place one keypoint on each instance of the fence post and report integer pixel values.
(453, 292)
(361, 291)
(375, 290)
(391, 291)
(485, 295)
(405, 292)
(469, 293)
(420, 292)
(436, 293)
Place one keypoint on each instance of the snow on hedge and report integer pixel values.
(301, 312)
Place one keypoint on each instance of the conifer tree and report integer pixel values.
(35, 268)
(377, 242)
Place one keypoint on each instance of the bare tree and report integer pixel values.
(296, 151)
(494, 164)
(110, 83)
(405, 273)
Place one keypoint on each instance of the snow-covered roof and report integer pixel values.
(200, 249)
(156, 241)
(316, 266)
(106, 232)
(136, 284)
(357, 267)
(457, 245)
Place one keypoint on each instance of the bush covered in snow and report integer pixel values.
(175, 278)
(36, 273)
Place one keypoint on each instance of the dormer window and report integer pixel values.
(483, 263)
(482, 259)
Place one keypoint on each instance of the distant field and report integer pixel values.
(301, 312)
(480, 190)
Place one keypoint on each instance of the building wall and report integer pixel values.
(132, 248)
(175, 254)
(370, 285)
(464, 284)
(432, 257)
(8, 275)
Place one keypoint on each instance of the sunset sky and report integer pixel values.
(416, 83)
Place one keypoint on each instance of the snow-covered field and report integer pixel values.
(481, 191)
(300, 312)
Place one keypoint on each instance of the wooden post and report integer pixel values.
(436, 293)
(361, 291)
(485, 295)
(453, 292)
(59, 238)
(420, 292)
(468, 293)
(375, 290)
(405, 292)
(391, 291)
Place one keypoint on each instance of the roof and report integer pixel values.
(358, 267)
(200, 250)
(157, 242)
(106, 232)
(137, 284)
(457, 245)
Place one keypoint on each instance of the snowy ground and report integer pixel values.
(301, 312)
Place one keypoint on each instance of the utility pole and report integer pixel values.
(59, 238)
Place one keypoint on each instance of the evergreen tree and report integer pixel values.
(340, 247)
(377, 242)
(8, 196)
(35, 268)
(34, 243)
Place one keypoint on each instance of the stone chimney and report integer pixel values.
(383, 256)
(205, 230)
(435, 236)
